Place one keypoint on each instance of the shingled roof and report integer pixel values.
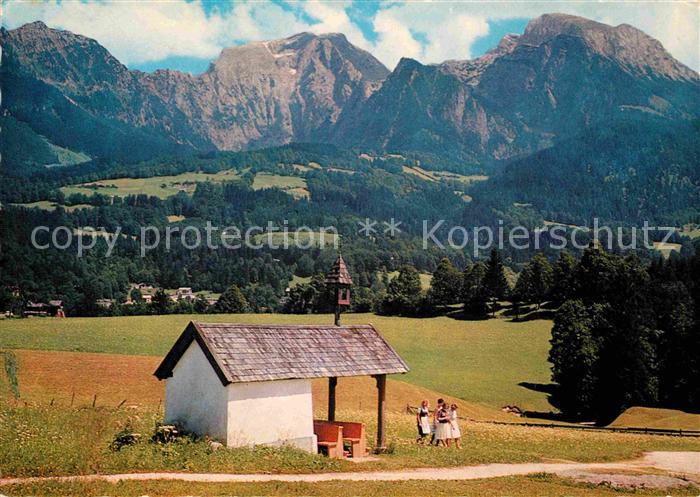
(243, 353)
(339, 273)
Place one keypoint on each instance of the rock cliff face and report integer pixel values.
(564, 74)
(262, 94)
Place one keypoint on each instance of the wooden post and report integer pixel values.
(332, 383)
(381, 412)
(337, 315)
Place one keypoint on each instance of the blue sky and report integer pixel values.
(188, 34)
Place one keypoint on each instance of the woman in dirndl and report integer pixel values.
(423, 421)
(443, 432)
(456, 433)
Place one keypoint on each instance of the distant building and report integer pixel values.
(52, 308)
(104, 303)
(184, 293)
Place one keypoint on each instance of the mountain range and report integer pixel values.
(564, 75)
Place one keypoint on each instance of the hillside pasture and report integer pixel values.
(664, 419)
(665, 248)
(691, 230)
(425, 278)
(293, 185)
(420, 173)
(47, 205)
(462, 178)
(64, 377)
(483, 362)
(157, 186)
(54, 439)
(305, 239)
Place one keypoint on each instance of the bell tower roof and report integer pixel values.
(338, 274)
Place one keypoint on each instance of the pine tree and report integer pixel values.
(446, 285)
(473, 294)
(574, 356)
(562, 276)
(495, 283)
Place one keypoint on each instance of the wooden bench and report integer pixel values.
(355, 434)
(329, 438)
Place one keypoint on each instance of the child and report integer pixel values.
(456, 433)
(423, 421)
(433, 427)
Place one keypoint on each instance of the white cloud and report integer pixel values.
(150, 31)
(138, 32)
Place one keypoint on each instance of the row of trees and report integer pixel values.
(627, 335)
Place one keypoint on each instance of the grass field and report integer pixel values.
(52, 206)
(534, 485)
(157, 186)
(658, 418)
(691, 230)
(293, 185)
(58, 431)
(304, 239)
(666, 248)
(57, 440)
(482, 361)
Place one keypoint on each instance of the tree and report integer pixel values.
(562, 275)
(309, 297)
(613, 311)
(495, 283)
(200, 304)
(574, 356)
(161, 302)
(404, 293)
(136, 296)
(305, 266)
(473, 294)
(446, 285)
(535, 281)
(231, 301)
(363, 299)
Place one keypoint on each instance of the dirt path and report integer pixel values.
(685, 464)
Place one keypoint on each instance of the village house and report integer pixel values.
(251, 384)
(105, 303)
(52, 308)
(184, 293)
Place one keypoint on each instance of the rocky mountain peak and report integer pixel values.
(627, 45)
(291, 55)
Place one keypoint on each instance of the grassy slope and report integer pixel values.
(51, 206)
(56, 440)
(482, 361)
(647, 417)
(293, 185)
(151, 186)
(46, 377)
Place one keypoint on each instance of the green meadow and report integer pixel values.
(157, 186)
(47, 205)
(293, 185)
(479, 361)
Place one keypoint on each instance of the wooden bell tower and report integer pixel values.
(339, 280)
